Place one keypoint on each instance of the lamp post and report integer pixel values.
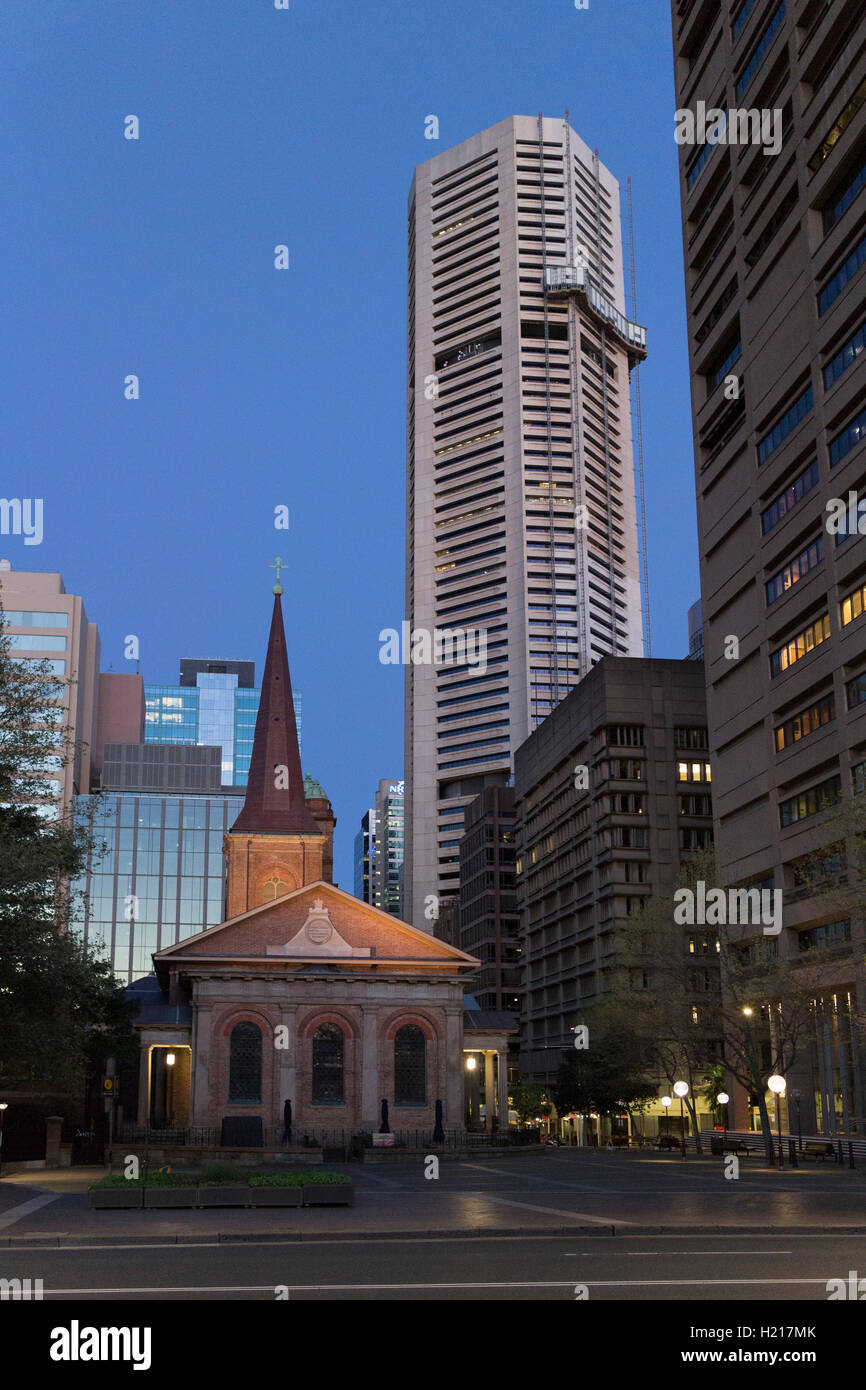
(681, 1089)
(777, 1085)
(795, 1096)
(666, 1102)
(169, 1062)
(471, 1064)
(4, 1106)
(723, 1099)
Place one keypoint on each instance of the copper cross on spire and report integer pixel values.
(279, 565)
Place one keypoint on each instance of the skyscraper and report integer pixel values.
(46, 624)
(214, 703)
(388, 858)
(520, 486)
(364, 859)
(773, 230)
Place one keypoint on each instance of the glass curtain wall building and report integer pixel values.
(156, 875)
(216, 703)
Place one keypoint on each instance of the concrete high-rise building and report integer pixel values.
(489, 922)
(388, 858)
(587, 858)
(46, 624)
(215, 703)
(365, 858)
(774, 230)
(696, 633)
(520, 483)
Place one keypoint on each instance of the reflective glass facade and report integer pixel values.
(161, 876)
(214, 712)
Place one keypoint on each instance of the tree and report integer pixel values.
(61, 1009)
(529, 1100)
(611, 1074)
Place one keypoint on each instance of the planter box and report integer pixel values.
(326, 1195)
(275, 1196)
(170, 1197)
(224, 1197)
(115, 1198)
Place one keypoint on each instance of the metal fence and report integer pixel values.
(210, 1137)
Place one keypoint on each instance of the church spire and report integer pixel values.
(275, 803)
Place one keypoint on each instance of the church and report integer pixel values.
(305, 994)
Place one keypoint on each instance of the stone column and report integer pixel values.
(143, 1082)
(369, 1067)
(287, 1060)
(489, 1107)
(503, 1090)
(201, 1114)
(454, 1068)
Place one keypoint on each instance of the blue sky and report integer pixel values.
(258, 387)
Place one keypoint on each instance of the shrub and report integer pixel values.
(221, 1173)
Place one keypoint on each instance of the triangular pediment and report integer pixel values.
(318, 922)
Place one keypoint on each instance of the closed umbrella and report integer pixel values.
(384, 1127)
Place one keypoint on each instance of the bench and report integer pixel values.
(732, 1144)
(818, 1149)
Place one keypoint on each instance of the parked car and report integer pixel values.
(550, 1141)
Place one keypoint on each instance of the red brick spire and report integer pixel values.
(275, 802)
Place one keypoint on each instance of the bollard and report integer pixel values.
(792, 1153)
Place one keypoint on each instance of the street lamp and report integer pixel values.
(795, 1096)
(666, 1102)
(723, 1099)
(4, 1106)
(777, 1085)
(681, 1089)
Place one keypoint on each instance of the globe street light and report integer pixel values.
(777, 1085)
(666, 1101)
(722, 1098)
(681, 1089)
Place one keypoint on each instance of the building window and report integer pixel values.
(805, 723)
(410, 1066)
(809, 803)
(848, 439)
(851, 606)
(760, 50)
(694, 772)
(800, 646)
(832, 934)
(796, 570)
(691, 737)
(856, 691)
(789, 421)
(846, 272)
(328, 1064)
(781, 505)
(845, 196)
(845, 357)
(245, 1064)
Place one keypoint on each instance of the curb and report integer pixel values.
(462, 1233)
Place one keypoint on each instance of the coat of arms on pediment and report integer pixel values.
(318, 937)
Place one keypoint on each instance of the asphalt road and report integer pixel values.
(779, 1268)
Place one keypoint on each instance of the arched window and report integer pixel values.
(274, 887)
(328, 1049)
(410, 1066)
(245, 1063)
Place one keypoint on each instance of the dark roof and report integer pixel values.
(153, 1005)
(270, 808)
(490, 1021)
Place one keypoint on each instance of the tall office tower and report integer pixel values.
(775, 244)
(587, 858)
(489, 922)
(47, 624)
(388, 859)
(215, 703)
(696, 633)
(520, 483)
(365, 858)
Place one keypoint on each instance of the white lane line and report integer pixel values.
(550, 1211)
(25, 1208)
(504, 1284)
(738, 1253)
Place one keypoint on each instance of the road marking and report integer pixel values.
(25, 1208)
(550, 1211)
(738, 1253)
(503, 1284)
